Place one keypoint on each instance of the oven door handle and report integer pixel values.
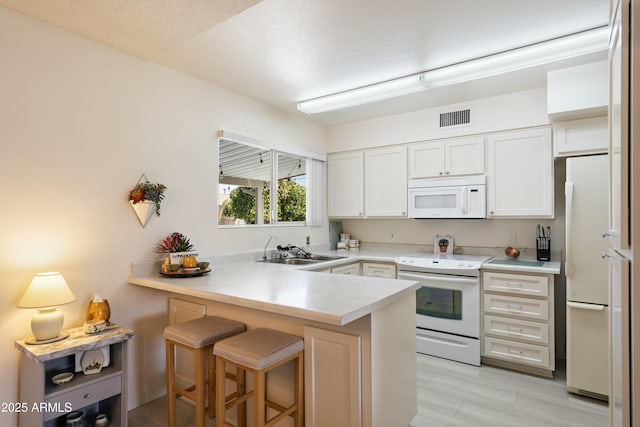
(439, 277)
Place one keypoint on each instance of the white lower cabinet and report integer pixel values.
(352, 269)
(377, 269)
(333, 371)
(518, 321)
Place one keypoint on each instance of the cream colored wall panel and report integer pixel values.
(332, 371)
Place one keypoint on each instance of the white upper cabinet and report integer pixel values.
(371, 183)
(520, 174)
(345, 184)
(460, 156)
(581, 137)
(385, 186)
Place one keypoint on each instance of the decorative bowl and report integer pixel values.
(94, 326)
(62, 378)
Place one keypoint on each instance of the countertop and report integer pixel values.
(296, 290)
(77, 341)
(284, 289)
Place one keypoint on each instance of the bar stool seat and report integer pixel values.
(198, 336)
(258, 351)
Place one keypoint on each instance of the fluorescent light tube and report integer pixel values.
(583, 43)
(364, 95)
(538, 54)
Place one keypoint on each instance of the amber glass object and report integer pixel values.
(99, 311)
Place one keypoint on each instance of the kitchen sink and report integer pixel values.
(289, 261)
(325, 257)
(301, 261)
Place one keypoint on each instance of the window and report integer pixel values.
(262, 186)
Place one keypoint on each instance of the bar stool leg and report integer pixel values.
(211, 385)
(200, 388)
(241, 389)
(299, 391)
(171, 397)
(259, 410)
(220, 401)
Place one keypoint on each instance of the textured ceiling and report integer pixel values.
(283, 51)
(139, 27)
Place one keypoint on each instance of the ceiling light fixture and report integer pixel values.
(364, 95)
(582, 43)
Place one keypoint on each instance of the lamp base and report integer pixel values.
(33, 341)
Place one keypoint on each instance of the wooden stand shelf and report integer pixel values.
(46, 404)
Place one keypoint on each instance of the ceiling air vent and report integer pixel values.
(455, 118)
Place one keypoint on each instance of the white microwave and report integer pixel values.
(455, 197)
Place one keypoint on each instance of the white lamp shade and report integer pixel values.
(47, 290)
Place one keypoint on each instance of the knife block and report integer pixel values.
(543, 253)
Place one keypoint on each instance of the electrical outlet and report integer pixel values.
(510, 237)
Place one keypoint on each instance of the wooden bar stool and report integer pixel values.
(258, 351)
(198, 336)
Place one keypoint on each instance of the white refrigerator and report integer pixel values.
(586, 215)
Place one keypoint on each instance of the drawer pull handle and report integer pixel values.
(514, 306)
(515, 352)
(511, 328)
(514, 284)
(87, 396)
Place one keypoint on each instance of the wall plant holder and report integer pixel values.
(145, 199)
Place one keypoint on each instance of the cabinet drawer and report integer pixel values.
(506, 327)
(523, 307)
(353, 269)
(378, 270)
(82, 396)
(516, 284)
(529, 354)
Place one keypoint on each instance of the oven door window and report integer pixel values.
(440, 303)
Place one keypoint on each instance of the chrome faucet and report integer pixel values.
(264, 254)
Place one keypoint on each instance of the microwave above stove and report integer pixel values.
(455, 197)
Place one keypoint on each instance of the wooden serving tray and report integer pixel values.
(181, 273)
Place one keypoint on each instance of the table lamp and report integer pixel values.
(46, 292)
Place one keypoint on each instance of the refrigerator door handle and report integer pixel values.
(568, 193)
(583, 306)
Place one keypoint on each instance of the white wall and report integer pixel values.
(79, 123)
(511, 111)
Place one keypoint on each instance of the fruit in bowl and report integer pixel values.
(512, 252)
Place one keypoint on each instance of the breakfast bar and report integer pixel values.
(359, 332)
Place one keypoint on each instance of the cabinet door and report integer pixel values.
(374, 269)
(426, 159)
(464, 156)
(352, 269)
(345, 184)
(333, 372)
(386, 182)
(578, 137)
(520, 174)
